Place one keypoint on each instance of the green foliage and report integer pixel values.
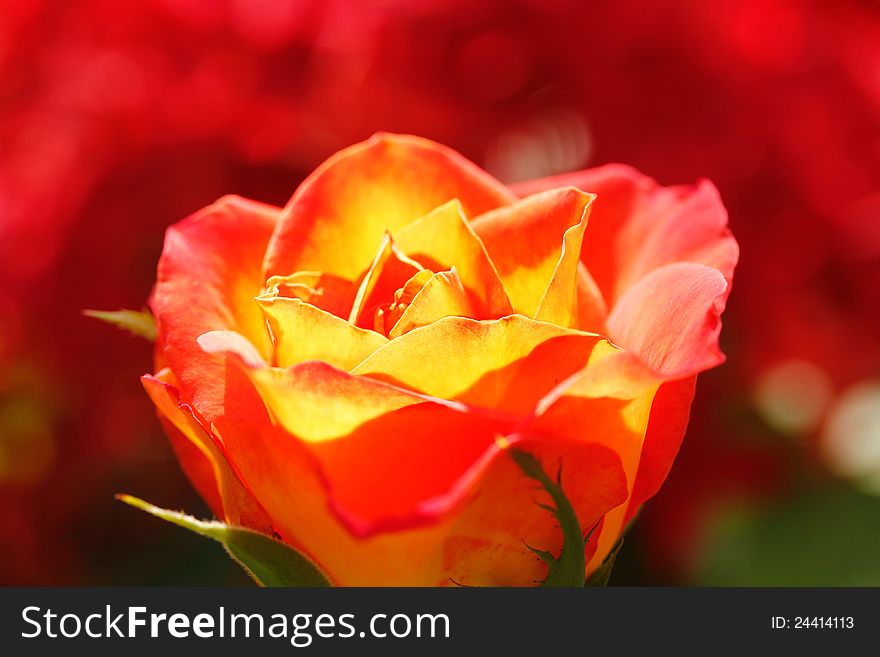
(139, 323)
(568, 568)
(828, 537)
(267, 561)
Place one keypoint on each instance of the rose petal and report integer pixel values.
(525, 242)
(346, 422)
(303, 332)
(442, 296)
(671, 319)
(591, 307)
(324, 291)
(230, 342)
(618, 424)
(390, 271)
(665, 315)
(235, 504)
(196, 465)
(444, 239)
(506, 364)
(415, 529)
(559, 303)
(615, 375)
(312, 400)
(669, 418)
(668, 323)
(442, 448)
(208, 275)
(484, 543)
(637, 225)
(476, 540)
(338, 215)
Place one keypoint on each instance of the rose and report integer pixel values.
(348, 373)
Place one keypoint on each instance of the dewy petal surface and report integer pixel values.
(338, 215)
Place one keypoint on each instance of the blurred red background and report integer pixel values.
(119, 118)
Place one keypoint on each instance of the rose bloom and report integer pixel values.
(348, 373)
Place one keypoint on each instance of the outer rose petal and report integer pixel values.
(525, 242)
(442, 447)
(465, 525)
(338, 215)
(484, 543)
(669, 419)
(619, 424)
(636, 228)
(478, 541)
(668, 323)
(637, 225)
(208, 276)
(506, 364)
(671, 319)
(472, 532)
(237, 504)
(196, 465)
(347, 421)
(465, 520)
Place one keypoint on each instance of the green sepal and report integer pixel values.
(568, 568)
(139, 323)
(267, 561)
(602, 574)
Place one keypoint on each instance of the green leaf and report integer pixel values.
(568, 568)
(267, 561)
(139, 323)
(602, 574)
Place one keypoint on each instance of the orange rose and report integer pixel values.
(349, 372)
